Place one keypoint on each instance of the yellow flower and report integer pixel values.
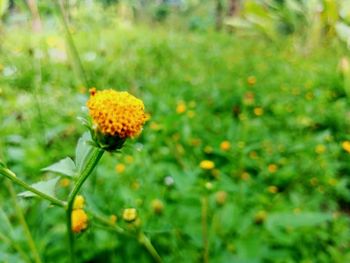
(157, 206)
(260, 216)
(221, 197)
(116, 113)
(79, 220)
(64, 182)
(225, 145)
(272, 168)
(320, 148)
(120, 167)
(208, 149)
(251, 80)
(129, 214)
(181, 107)
(207, 165)
(258, 111)
(346, 146)
(79, 202)
(272, 189)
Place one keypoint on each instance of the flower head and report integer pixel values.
(116, 114)
(79, 220)
(79, 202)
(129, 214)
(207, 165)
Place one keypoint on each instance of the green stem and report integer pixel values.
(144, 240)
(23, 222)
(20, 251)
(205, 229)
(74, 52)
(12, 176)
(94, 157)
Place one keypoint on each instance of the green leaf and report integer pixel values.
(47, 187)
(82, 151)
(65, 166)
(307, 219)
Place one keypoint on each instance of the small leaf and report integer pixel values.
(65, 166)
(82, 151)
(47, 187)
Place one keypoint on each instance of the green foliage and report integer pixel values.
(284, 113)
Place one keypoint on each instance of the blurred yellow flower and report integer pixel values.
(79, 220)
(320, 148)
(272, 168)
(251, 80)
(207, 165)
(129, 214)
(258, 111)
(332, 181)
(157, 206)
(120, 168)
(245, 176)
(221, 197)
(129, 159)
(225, 145)
(272, 189)
(181, 107)
(116, 113)
(260, 216)
(346, 146)
(64, 182)
(79, 202)
(191, 114)
(297, 210)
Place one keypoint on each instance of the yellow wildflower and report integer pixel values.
(221, 197)
(65, 182)
(260, 216)
(79, 202)
(129, 159)
(157, 206)
(129, 214)
(181, 107)
(116, 113)
(272, 168)
(79, 220)
(320, 148)
(120, 168)
(272, 189)
(346, 146)
(225, 145)
(208, 149)
(258, 111)
(207, 165)
(251, 80)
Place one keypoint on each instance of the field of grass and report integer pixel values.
(274, 120)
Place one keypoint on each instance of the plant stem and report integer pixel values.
(73, 50)
(20, 251)
(23, 222)
(144, 240)
(205, 229)
(94, 157)
(12, 176)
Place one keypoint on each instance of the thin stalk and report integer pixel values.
(205, 229)
(144, 240)
(12, 176)
(94, 157)
(73, 50)
(23, 222)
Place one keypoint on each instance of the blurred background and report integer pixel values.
(246, 157)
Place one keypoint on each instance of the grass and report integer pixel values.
(284, 112)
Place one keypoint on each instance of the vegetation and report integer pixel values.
(245, 156)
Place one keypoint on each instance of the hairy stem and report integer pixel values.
(12, 176)
(94, 157)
